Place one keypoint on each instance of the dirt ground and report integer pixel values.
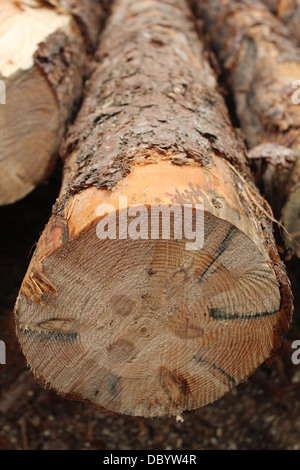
(263, 413)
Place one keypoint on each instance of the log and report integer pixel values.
(44, 46)
(262, 66)
(278, 171)
(136, 322)
(287, 11)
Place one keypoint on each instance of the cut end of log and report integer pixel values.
(23, 27)
(29, 124)
(155, 328)
(41, 72)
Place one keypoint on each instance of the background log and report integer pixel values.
(261, 64)
(44, 46)
(278, 171)
(144, 326)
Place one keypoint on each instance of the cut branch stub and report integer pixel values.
(145, 326)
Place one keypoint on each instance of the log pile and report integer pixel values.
(261, 63)
(140, 325)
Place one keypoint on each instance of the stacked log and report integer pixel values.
(44, 46)
(262, 66)
(137, 324)
(277, 170)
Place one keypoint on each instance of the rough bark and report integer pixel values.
(261, 64)
(44, 46)
(287, 11)
(145, 326)
(278, 171)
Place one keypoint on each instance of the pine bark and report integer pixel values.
(144, 326)
(44, 47)
(287, 11)
(277, 170)
(261, 64)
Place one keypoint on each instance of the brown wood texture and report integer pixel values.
(287, 11)
(261, 64)
(278, 171)
(144, 326)
(44, 46)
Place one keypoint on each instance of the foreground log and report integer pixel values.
(287, 11)
(262, 66)
(141, 325)
(43, 47)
